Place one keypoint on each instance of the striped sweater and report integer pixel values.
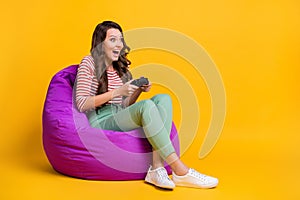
(87, 83)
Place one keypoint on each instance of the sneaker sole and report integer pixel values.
(147, 180)
(196, 186)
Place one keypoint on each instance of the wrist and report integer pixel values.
(115, 93)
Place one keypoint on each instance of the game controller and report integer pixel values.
(140, 82)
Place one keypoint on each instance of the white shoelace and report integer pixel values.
(162, 175)
(200, 176)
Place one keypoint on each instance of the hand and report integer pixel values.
(146, 88)
(126, 90)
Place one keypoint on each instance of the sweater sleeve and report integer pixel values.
(86, 86)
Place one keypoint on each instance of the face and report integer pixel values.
(112, 45)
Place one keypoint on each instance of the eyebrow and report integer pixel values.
(115, 36)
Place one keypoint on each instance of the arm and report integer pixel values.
(132, 99)
(95, 101)
(128, 90)
(87, 86)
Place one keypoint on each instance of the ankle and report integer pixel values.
(179, 168)
(181, 171)
(155, 166)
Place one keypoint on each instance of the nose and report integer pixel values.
(120, 44)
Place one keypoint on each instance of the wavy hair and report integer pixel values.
(121, 65)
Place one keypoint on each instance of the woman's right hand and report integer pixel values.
(127, 89)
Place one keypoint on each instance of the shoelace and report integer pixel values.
(202, 177)
(162, 175)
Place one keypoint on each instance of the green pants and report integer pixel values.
(154, 115)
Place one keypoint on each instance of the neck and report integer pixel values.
(108, 62)
(110, 67)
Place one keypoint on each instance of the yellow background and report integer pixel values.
(255, 45)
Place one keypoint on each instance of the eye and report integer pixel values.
(112, 39)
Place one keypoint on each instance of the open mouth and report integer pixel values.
(116, 53)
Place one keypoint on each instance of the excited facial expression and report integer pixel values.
(112, 45)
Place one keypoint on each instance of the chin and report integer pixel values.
(115, 59)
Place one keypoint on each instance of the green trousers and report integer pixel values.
(153, 115)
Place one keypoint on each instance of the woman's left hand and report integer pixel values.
(146, 88)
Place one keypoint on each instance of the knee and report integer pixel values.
(147, 104)
(165, 98)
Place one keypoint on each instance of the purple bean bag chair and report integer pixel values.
(76, 149)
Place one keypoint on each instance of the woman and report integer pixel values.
(104, 91)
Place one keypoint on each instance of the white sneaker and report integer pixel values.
(195, 179)
(160, 178)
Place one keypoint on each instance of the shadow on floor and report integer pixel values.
(30, 154)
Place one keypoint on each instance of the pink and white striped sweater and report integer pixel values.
(87, 83)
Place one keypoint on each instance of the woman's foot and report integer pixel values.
(195, 179)
(159, 177)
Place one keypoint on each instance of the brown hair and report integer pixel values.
(121, 65)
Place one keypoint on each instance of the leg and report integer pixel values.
(147, 115)
(164, 106)
(163, 103)
(157, 160)
(182, 175)
(141, 114)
